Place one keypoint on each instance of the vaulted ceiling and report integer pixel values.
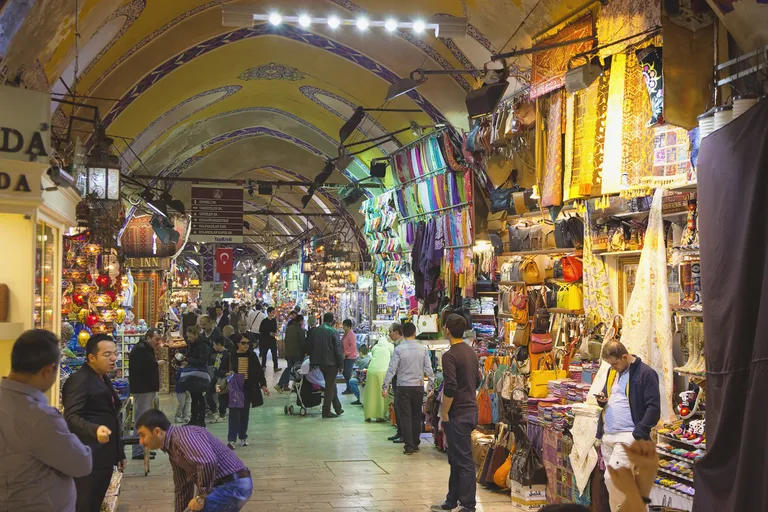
(187, 96)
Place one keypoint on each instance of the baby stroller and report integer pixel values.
(309, 387)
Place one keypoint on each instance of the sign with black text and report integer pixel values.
(217, 214)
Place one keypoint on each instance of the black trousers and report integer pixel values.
(410, 399)
(91, 489)
(198, 409)
(268, 344)
(331, 395)
(399, 432)
(462, 486)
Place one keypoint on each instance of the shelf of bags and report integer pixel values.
(675, 475)
(619, 253)
(569, 250)
(566, 311)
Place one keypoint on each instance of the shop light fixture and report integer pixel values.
(156, 206)
(243, 16)
(305, 20)
(275, 18)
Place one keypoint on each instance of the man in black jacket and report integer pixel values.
(188, 319)
(210, 332)
(267, 340)
(144, 379)
(92, 410)
(328, 354)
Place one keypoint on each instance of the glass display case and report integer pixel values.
(46, 266)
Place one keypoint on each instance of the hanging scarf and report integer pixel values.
(598, 305)
(647, 330)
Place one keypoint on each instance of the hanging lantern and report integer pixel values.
(111, 294)
(83, 337)
(102, 172)
(83, 288)
(78, 298)
(91, 320)
(99, 328)
(103, 281)
(120, 316)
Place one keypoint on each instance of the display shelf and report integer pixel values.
(691, 186)
(566, 311)
(489, 293)
(674, 491)
(568, 250)
(619, 253)
(701, 446)
(685, 313)
(676, 475)
(673, 456)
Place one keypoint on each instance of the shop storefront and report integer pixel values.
(34, 215)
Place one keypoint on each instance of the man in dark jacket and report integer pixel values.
(92, 410)
(210, 333)
(267, 339)
(631, 408)
(144, 378)
(328, 354)
(198, 353)
(295, 339)
(188, 319)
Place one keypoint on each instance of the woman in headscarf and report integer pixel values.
(374, 405)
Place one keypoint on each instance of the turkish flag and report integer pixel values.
(224, 261)
(228, 285)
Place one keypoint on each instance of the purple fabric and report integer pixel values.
(236, 386)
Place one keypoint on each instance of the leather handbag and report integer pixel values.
(562, 240)
(531, 272)
(541, 320)
(540, 377)
(573, 268)
(483, 473)
(522, 335)
(501, 198)
(522, 360)
(484, 415)
(499, 126)
(557, 270)
(527, 468)
(540, 343)
(537, 240)
(576, 231)
(548, 236)
(501, 476)
(515, 242)
(521, 206)
(497, 221)
(576, 297)
(519, 307)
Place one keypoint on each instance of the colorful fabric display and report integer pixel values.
(651, 63)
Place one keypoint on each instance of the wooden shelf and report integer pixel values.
(566, 311)
(569, 250)
(620, 253)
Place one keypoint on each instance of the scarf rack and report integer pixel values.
(407, 147)
(445, 208)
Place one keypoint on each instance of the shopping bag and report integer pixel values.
(501, 477)
(539, 379)
(425, 324)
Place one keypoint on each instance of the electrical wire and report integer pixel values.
(519, 26)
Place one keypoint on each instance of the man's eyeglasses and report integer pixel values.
(108, 354)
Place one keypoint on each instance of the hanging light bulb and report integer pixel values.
(390, 25)
(305, 20)
(275, 18)
(419, 26)
(362, 23)
(334, 22)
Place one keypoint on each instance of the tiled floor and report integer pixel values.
(310, 463)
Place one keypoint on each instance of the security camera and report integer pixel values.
(60, 177)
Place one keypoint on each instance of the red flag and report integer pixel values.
(228, 285)
(224, 261)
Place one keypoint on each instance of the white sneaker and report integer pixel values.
(243, 442)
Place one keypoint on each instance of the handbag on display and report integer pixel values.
(540, 343)
(519, 307)
(425, 324)
(548, 235)
(541, 320)
(537, 240)
(575, 297)
(471, 137)
(562, 240)
(545, 371)
(482, 474)
(515, 242)
(498, 245)
(497, 221)
(530, 271)
(524, 235)
(557, 270)
(501, 477)
(510, 270)
(573, 268)
(484, 414)
(522, 360)
(501, 198)
(522, 335)
(527, 468)
(521, 206)
(576, 232)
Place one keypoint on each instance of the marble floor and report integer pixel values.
(307, 463)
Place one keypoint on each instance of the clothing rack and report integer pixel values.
(404, 184)
(445, 208)
(413, 143)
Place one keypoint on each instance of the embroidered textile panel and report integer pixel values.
(637, 139)
(552, 189)
(623, 18)
(549, 67)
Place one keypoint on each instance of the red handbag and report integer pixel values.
(540, 343)
(573, 268)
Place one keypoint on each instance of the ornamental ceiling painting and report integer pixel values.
(185, 96)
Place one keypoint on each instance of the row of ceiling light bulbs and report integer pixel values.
(362, 23)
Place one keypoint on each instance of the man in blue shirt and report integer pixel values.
(631, 408)
(410, 363)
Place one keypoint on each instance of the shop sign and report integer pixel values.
(217, 214)
(153, 263)
(25, 117)
(11, 182)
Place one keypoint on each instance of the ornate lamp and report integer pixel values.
(102, 173)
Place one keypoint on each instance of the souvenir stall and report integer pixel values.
(186, 282)
(564, 261)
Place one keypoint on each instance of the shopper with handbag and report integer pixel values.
(246, 385)
(459, 416)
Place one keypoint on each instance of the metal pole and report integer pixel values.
(536, 49)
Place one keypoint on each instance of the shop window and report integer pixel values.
(45, 281)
